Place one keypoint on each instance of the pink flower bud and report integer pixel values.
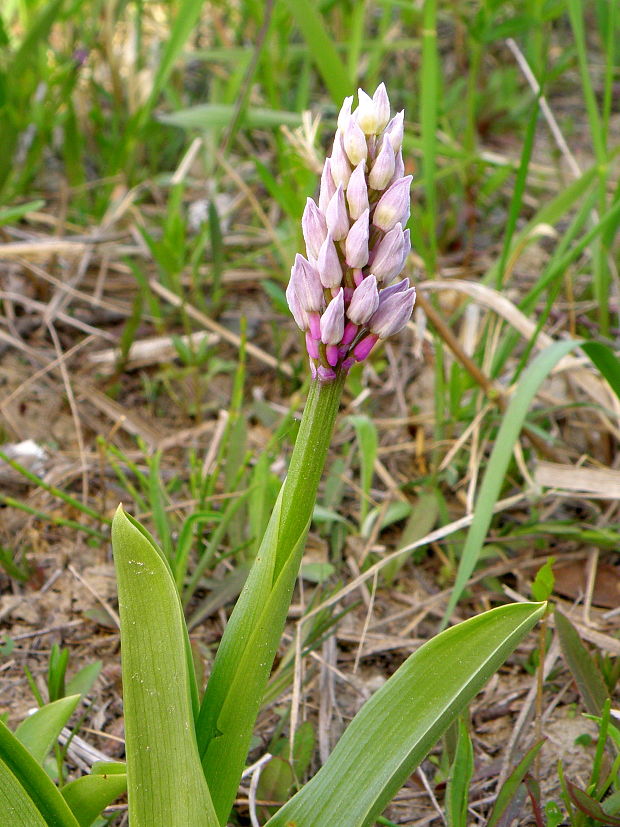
(383, 167)
(356, 244)
(399, 167)
(307, 285)
(393, 313)
(395, 131)
(332, 321)
(328, 264)
(314, 228)
(393, 205)
(336, 215)
(406, 248)
(382, 107)
(327, 188)
(325, 374)
(365, 113)
(345, 113)
(365, 301)
(299, 314)
(339, 162)
(354, 142)
(312, 346)
(387, 260)
(357, 191)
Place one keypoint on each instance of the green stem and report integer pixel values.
(307, 462)
(242, 666)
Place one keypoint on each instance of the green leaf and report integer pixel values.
(606, 361)
(322, 49)
(218, 115)
(39, 731)
(544, 581)
(83, 680)
(457, 791)
(495, 472)
(28, 796)
(9, 215)
(590, 806)
(165, 780)
(511, 785)
(583, 669)
(89, 795)
(396, 728)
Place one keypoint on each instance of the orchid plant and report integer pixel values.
(186, 750)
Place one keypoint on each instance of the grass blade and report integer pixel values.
(498, 463)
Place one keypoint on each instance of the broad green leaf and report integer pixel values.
(397, 727)
(542, 587)
(588, 805)
(28, 796)
(165, 780)
(39, 731)
(495, 472)
(89, 795)
(606, 361)
(583, 669)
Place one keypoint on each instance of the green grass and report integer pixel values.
(108, 100)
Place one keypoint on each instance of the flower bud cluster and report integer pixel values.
(341, 293)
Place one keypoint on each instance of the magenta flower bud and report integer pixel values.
(339, 163)
(357, 191)
(387, 261)
(336, 215)
(312, 346)
(363, 348)
(365, 301)
(354, 142)
(356, 245)
(332, 321)
(345, 113)
(399, 167)
(294, 305)
(393, 313)
(327, 188)
(393, 205)
(307, 285)
(328, 264)
(314, 228)
(382, 107)
(395, 131)
(383, 167)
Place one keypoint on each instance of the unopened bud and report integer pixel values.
(383, 167)
(327, 188)
(399, 167)
(395, 131)
(356, 244)
(294, 305)
(345, 113)
(393, 205)
(307, 285)
(354, 142)
(386, 262)
(382, 107)
(332, 321)
(365, 301)
(314, 228)
(393, 313)
(366, 114)
(328, 264)
(357, 192)
(336, 215)
(340, 166)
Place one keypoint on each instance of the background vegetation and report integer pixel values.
(155, 161)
